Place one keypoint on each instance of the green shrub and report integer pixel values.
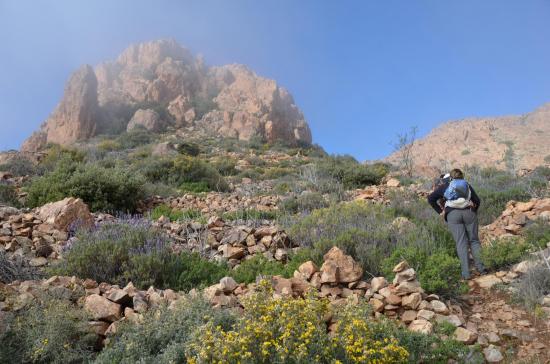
(163, 334)
(226, 167)
(193, 170)
(134, 138)
(542, 172)
(109, 145)
(133, 251)
(441, 273)
(437, 271)
(8, 195)
(51, 330)
(351, 173)
(16, 268)
(155, 169)
(190, 149)
(253, 173)
(503, 253)
(103, 189)
(533, 286)
(250, 269)
(195, 187)
(57, 154)
(276, 172)
(20, 166)
(174, 214)
(159, 189)
(187, 173)
(537, 234)
(406, 181)
(282, 188)
(303, 203)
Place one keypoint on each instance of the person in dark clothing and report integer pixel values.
(462, 221)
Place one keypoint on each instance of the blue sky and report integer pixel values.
(361, 71)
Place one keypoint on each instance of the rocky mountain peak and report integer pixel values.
(153, 53)
(229, 100)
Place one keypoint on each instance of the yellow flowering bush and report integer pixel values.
(359, 343)
(292, 330)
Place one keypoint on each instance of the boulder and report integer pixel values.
(340, 266)
(492, 354)
(100, 308)
(409, 316)
(408, 287)
(378, 283)
(282, 286)
(405, 275)
(281, 254)
(465, 336)
(377, 305)
(38, 262)
(148, 119)
(439, 307)
(307, 269)
(62, 214)
(401, 266)
(227, 284)
(412, 301)
(119, 296)
(487, 281)
(231, 252)
(452, 319)
(422, 326)
(426, 314)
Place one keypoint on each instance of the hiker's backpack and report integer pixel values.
(458, 188)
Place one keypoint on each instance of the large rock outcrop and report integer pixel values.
(515, 217)
(228, 100)
(250, 105)
(75, 117)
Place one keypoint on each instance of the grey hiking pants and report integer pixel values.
(464, 228)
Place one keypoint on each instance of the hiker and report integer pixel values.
(460, 213)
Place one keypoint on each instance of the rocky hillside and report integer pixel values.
(160, 85)
(514, 142)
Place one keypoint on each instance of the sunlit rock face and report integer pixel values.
(162, 75)
(75, 117)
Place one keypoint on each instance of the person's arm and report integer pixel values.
(475, 199)
(435, 196)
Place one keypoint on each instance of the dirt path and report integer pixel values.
(520, 336)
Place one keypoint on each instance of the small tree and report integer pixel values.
(404, 149)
